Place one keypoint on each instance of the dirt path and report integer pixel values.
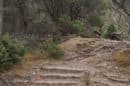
(95, 56)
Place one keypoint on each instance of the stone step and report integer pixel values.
(60, 69)
(48, 83)
(55, 75)
(60, 75)
(57, 85)
(56, 82)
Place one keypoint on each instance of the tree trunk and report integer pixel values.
(21, 9)
(1, 16)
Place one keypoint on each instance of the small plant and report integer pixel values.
(79, 25)
(122, 57)
(111, 29)
(11, 51)
(65, 19)
(71, 26)
(66, 25)
(110, 33)
(54, 51)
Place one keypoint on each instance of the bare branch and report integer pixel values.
(121, 5)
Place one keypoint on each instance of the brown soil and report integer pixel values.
(97, 55)
(30, 60)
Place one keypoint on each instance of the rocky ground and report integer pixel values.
(95, 56)
(98, 57)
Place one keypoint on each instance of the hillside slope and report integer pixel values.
(96, 56)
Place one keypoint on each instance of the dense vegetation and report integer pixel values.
(43, 17)
(11, 51)
(37, 21)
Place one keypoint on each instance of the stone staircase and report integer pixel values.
(57, 75)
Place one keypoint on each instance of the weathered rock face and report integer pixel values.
(119, 18)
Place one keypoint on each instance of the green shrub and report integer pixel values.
(11, 51)
(64, 19)
(69, 26)
(66, 25)
(80, 27)
(111, 29)
(54, 51)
